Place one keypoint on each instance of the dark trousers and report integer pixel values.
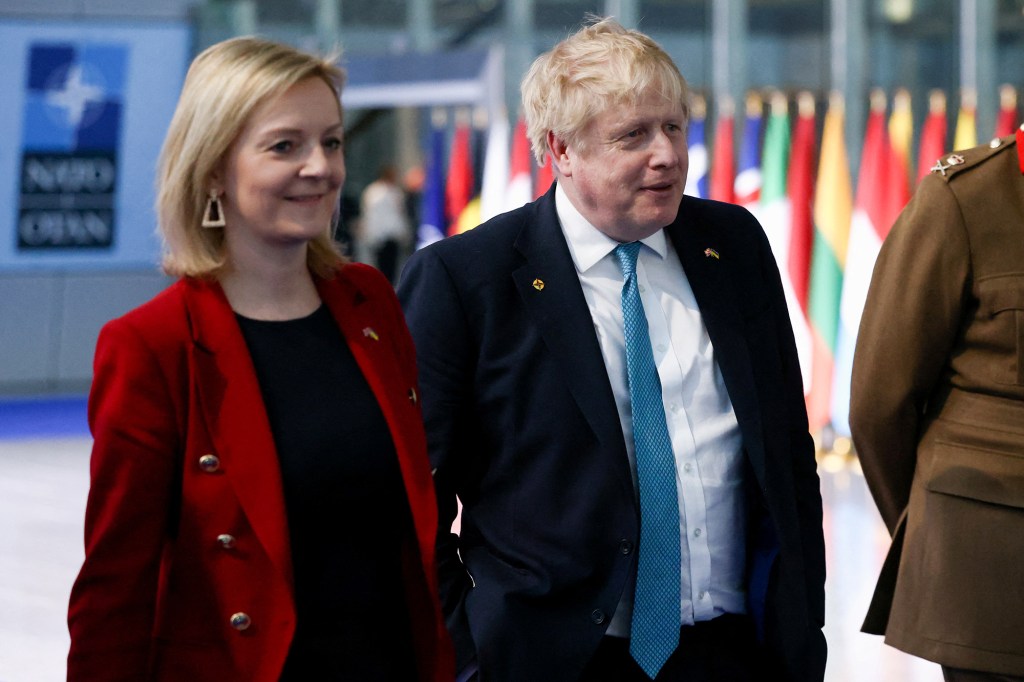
(721, 650)
(960, 675)
(386, 259)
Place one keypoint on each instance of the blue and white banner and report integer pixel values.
(89, 105)
(72, 125)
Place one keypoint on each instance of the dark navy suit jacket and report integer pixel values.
(522, 427)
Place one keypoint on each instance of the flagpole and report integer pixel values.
(978, 57)
(848, 38)
(625, 11)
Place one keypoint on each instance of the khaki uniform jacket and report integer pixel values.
(937, 415)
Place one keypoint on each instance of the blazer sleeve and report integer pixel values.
(909, 326)
(129, 510)
(442, 336)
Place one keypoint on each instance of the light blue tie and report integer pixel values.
(655, 628)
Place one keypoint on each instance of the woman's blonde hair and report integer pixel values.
(601, 65)
(224, 84)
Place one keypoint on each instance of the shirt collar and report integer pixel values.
(587, 244)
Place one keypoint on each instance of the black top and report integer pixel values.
(347, 510)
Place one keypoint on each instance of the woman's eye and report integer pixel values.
(333, 143)
(282, 146)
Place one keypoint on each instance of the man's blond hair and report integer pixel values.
(602, 65)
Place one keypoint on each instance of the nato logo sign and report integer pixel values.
(72, 123)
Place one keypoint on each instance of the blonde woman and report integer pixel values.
(261, 505)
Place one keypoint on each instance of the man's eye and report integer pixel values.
(633, 133)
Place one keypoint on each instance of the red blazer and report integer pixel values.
(186, 539)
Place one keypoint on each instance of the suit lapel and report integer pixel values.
(231, 404)
(716, 296)
(550, 290)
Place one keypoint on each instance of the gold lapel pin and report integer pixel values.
(711, 253)
(368, 332)
(538, 284)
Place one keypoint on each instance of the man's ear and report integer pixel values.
(558, 150)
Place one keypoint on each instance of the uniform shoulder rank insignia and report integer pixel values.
(951, 161)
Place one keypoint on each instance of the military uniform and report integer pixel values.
(937, 414)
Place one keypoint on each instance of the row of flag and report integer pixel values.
(490, 170)
(824, 237)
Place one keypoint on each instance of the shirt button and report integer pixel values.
(661, 347)
(642, 288)
(687, 467)
(209, 463)
(241, 621)
(697, 533)
(625, 546)
(702, 595)
(597, 615)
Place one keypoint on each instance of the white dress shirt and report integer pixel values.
(702, 425)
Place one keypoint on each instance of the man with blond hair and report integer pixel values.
(611, 389)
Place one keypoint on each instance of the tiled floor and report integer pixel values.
(44, 481)
(43, 485)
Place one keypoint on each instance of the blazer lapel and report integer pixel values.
(716, 297)
(231, 404)
(550, 289)
(367, 332)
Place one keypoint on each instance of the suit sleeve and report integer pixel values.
(802, 462)
(443, 340)
(129, 510)
(908, 328)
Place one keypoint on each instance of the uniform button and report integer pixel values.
(209, 463)
(625, 546)
(226, 541)
(597, 616)
(241, 621)
(697, 533)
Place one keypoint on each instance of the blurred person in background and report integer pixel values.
(261, 505)
(384, 222)
(937, 415)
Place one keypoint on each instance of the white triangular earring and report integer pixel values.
(213, 216)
